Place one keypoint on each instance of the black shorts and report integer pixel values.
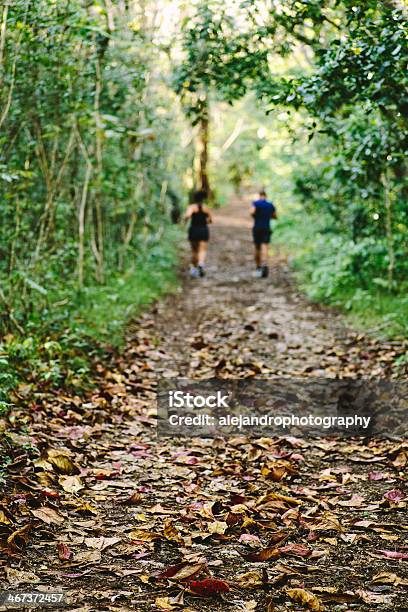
(261, 235)
(198, 233)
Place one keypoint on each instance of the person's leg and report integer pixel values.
(258, 257)
(202, 252)
(194, 252)
(264, 254)
(264, 259)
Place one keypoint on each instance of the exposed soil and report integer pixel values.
(324, 510)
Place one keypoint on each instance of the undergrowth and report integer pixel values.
(351, 276)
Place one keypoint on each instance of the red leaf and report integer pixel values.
(395, 495)
(182, 571)
(50, 493)
(171, 570)
(376, 476)
(64, 553)
(393, 554)
(297, 550)
(209, 587)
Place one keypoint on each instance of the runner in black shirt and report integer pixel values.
(198, 233)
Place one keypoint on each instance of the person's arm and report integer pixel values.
(252, 210)
(209, 217)
(273, 213)
(188, 213)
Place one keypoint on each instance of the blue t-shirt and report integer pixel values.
(263, 213)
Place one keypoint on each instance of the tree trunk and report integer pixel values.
(202, 156)
(98, 243)
(388, 229)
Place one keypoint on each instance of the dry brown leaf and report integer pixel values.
(173, 602)
(19, 538)
(48, 515)
(374, 598)
(144, 536)
(86, 508)
(15, 577)
(63, 465)
(164, 603)
(101, 543)
(306, 598)
(270, 607)
(217, 527)
(388, 578)
(327, 522)
(170, 532)
(71, 484)
(249, 580)
(87, 556)
(271, 497)
(133, 500)
(3, 518)
(262, 555)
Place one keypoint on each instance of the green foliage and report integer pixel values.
(91, 179)
(88, 175)
(344, 273)
(59, 347)
(351, 93)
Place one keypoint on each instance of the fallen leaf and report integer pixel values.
(86, 508)
(48, 515)
(217, 527)
(395, 495)
(87, 556)
(327, 522)
(306, 598)
(393, 554)
(170, 532)
(262, 555)
(133, 500)
(64, 553)
(355, 501)
(143, 535)
(249, 538)
(182, 571)
(374, 598)
(249, 580)
(169, 603)
(19, 538)
(15, 577)
(388, 578)
(71, 484)
(101, 543)
(209, 586)
(3, 518)
(376, 476)
(63, 465)
(298, 550)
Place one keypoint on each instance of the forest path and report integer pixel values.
(305, 520)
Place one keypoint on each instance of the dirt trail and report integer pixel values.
(131, 505)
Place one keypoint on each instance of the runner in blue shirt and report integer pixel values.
(262, 211)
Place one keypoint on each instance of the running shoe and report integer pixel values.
(201, 271)
(264, 271)
(258, 273)
(194, 273)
